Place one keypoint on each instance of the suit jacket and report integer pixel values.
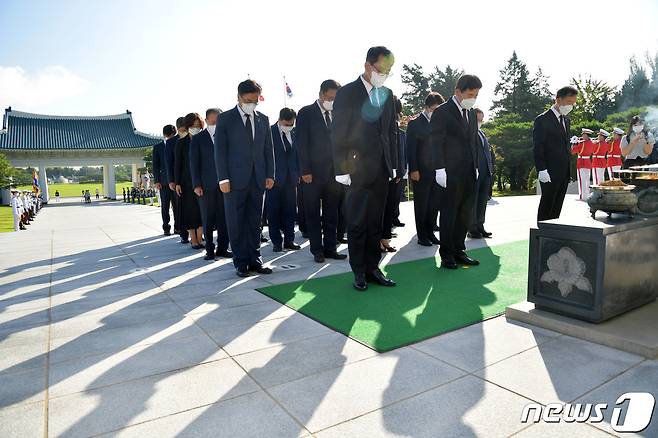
(486, 152)
(422, 156)
(403, 153)
(286, 162)
(364, 135)
(202, 161)
(182, 174)
(236, 159)
(313, 144)
(454, 140)
(159, 171)
(552, 151)
(170, 147)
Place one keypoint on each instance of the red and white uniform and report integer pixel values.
(614, 157)
(584, 149)
(599, 162)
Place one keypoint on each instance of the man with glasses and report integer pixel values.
(364, 137)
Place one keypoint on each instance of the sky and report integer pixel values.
(162, 59)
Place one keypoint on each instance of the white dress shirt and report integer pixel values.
(460, 107)
(282, 133)
(323, 110)
(558, 115)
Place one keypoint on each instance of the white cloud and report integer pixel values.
(24, 90)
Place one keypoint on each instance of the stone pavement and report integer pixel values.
(108, 327)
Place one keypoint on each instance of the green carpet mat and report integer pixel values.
(426, 301)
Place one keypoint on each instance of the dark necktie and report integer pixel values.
(286, 143)
(327, 119)
(465, 116)
(250, 134)
(562, 125)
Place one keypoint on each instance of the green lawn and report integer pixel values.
(75, 190)
(6, 221)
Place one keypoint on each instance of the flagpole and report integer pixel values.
(285, 93)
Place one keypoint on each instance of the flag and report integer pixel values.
(288, 90)
(35, 181)
(261, 98)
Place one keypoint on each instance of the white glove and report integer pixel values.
(344, 179)
(395, 173)
(544, 177)
(477, 174)
(574, 139)
(441, 178)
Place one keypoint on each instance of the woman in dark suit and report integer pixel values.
(190, 213)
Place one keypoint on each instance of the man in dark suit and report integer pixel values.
(453, 135)
(280, 201)
(321, 191)
(161, 179)
(244, 161)
(204, 180)
(392, 207)
(422, 170)
(170, 147)
(550, 138)
(364, 136)
(483, 185)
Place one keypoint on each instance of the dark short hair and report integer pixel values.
(211, 111)
(468, 82)
(434, 98)
(168, 130)
(249, 86)
(566, 92)
(375, 52)
(180, 122)
(398, 105)
(191, 118)
(478, 111)
(329, 84)
(287, 114)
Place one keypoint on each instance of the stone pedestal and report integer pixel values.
(593, 269)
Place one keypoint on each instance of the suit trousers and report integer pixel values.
(321, 202)
(426, 206)
(213, 218)
(482, 187)
(165, 205)
(281, 208)
(364, 208)
(177, 206)
(301, 218)
(243, 210)
(552, 198)
(341, 226)
(457, 202)
(392, 206)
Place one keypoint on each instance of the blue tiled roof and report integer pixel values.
(26, 131)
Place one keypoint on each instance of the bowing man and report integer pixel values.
(244, 161)
(364, 137)
(204, 180)
(454, 137)
(280, 201)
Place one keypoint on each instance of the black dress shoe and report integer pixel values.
(486, 234)
(463, 259)
(434, 240)
(277, 248)
(334, 255)
(398, 224)
(319, 258)
(184, 241)
(436, 228)
(209, 256)
(260, 269)
(449, 264)
(341, 240)
(242, 271)
(292, 246)
(394, 235)
(360, 282)
(424, 242)
(197, 246)
(224, 253)
(378, 277)
(475, 235)
(167, 233)
(263, 239)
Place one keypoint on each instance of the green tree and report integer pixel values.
(512, 142)
(7, 172)
(595, 100)
(418, 85)
(148, 157)
(636, 90)
(445, 81)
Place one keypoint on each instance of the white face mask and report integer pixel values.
(638, 128)
(211, 130)
(195, 131)
(248, 108)
(468, 103)
(328, 105)
(377, 79)
(286, 129)
(565, 109)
